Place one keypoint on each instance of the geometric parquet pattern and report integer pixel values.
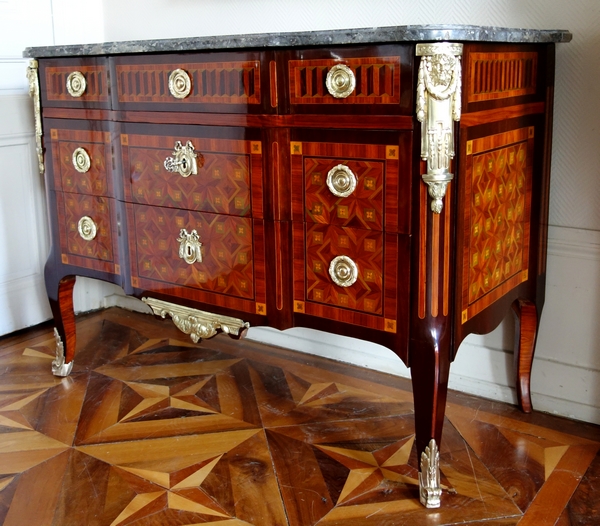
(151, 429)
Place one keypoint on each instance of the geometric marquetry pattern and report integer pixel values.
(151, 430)
(227, 247)
(361, 209)
(97, 180)
(364, 247)
(98, 208)
(96, 83)
(375, 199)
(212, 82)
(501, 75)
(222, 184)
(498, 217)
(94, 181)
(377, 81)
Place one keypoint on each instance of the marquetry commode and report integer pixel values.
(389, 184)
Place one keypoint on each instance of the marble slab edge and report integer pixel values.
(417, 33)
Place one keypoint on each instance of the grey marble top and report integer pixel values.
(458, 33)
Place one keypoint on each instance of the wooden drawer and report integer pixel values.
(222, 270)
(363, 80)
(83, 245)
(369, 299)
(229, 169)
(507, 76)
(81, 158)
(206, 82)
(364, 250)
(57, 76)
(379, 173)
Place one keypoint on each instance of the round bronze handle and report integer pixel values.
(81, 160)
(87, 228)
(76, 84)
(343, 271)
(180, 83)
(341, 181)
(340, 81)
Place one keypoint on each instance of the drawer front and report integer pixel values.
(220, 260)
(88, 231)
(349, 274)
(364, 250)
(363, 186)
(327, 180)
(507, 76)
(81, 160)
(75, 83)
(228, 179)
(212, 82)
(350, 80)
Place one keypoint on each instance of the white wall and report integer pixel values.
(567, 364)
(24, 236)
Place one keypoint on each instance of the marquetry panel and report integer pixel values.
(372, 301)
(96, 181)
(497, 227)
(372, 204)
(226, 171)
(365, 248)
(95, 77)
(236, 82)
(377, 81)
(501, 75)
(99, 253)
(227, 250)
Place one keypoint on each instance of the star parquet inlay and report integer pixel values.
(151, 429)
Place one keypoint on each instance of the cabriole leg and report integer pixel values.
(430, 368)
(61, 301)
(526, 322)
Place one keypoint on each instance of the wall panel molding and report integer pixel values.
(24, 238)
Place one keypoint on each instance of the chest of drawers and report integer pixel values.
(384, 186)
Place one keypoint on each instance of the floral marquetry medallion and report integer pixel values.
(498, 217)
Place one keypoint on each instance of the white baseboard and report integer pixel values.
(24, 303)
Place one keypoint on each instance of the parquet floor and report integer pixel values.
(151, 429)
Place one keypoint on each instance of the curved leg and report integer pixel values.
(430, 368)
(526, 322)
(60, 296)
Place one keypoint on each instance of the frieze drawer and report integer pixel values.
(207, 82)
(350, 80)
(75, 83)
